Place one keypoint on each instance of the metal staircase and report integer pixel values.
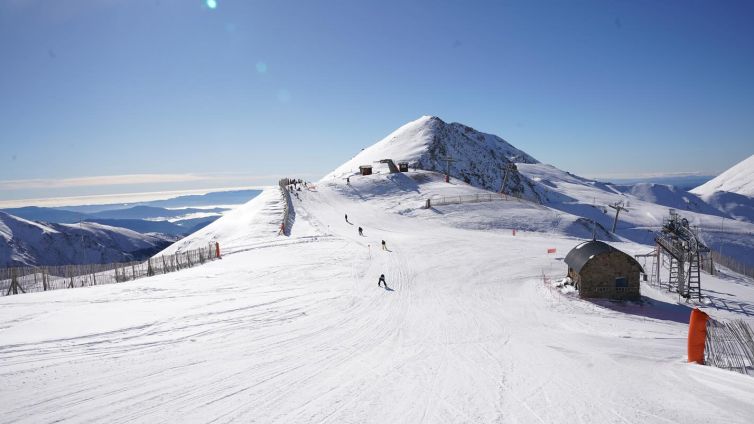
(683, 248)
(695, 277)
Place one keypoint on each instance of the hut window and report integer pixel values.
(621, 282)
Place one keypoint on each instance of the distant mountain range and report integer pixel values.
(218, 198)
(685, 182)
(178, 216)
(106, 233)
(24, 242)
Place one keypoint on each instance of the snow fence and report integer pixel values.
(27, 279)
(288, 213)
(730, 345)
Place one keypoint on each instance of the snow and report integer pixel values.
(296, 330)
(243, 227)
(24, 242)
(473, 327)
(647, 206)
(738, 179)
(478, 157)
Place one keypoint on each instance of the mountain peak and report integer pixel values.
(425, 143)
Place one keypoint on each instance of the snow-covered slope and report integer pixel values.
(257, 220)
(468, 331)
(590, 199)
(738, 179)
(670, 196)
(736, 206)
(24, 242)
(479, 158)
(732, 192)
(293, 329)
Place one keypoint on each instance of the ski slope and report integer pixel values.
(295, 330)
(737, 179)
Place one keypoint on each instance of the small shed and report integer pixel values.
(403, 166)
(599, 270)
(365, 169)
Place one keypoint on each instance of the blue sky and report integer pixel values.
(172, 94)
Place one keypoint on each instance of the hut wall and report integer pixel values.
(598, 277)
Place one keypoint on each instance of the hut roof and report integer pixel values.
(581, 254)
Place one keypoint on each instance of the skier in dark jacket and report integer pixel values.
(346, 217)
(384, 246)
(381, 281)
(361, 231)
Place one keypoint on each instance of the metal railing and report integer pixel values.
(732, 264)
(469, 198)
(27, 279)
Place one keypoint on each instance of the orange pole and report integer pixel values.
(217, 250)
(697, 335)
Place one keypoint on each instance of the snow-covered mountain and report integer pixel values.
(294, 329)
(732, 192)
(738, 179)
(670, 196)
(24, 242)
(479, 159)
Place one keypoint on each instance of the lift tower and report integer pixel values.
(683, 249)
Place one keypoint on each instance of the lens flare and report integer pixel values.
(261, 67)
(284, 96)
(211, 4)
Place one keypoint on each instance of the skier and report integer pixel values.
(381, 281)
(348, 180)
(361, 231)
(384, 247)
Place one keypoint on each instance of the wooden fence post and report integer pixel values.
(14, 286)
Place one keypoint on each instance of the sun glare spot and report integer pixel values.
(211, 4)
(284, 96)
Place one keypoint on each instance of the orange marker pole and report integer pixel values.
(217, 250)
(697, 335)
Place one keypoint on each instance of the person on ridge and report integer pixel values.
(361, 231)
(346, 217)
(381, 281)
(384, 246)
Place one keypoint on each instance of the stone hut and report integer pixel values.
(599, 270)
(365, 169)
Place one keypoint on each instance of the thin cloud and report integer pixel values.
(115, 198)
(127, 179)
